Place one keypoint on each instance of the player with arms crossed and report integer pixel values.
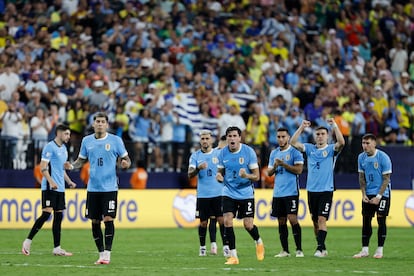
(238, 170)
(286, 163)
(102, 150)
(321, 158)
(203, 163)
(54, 155)
(374, 169)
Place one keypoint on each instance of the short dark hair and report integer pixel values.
(282, 129)
(233, 128)
(322, 127)
(369, 136)
(99, 115)
(61, 127)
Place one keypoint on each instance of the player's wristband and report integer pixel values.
(378, 196)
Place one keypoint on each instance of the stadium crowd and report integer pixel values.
(164, 70)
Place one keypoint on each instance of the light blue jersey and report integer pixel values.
(56, 156)
(286, 182)
(102, 155)
(207, 186)
(321, 163)
(374, 167)
(235, 186)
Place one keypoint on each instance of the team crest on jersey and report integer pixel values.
(241, 160)
(107, 147)
(287, 157)
(324, 153)
(376, 165)
(214, 160)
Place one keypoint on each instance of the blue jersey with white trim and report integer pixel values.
(235, 186)
(102, 155)
(321, 163)
(56, 156)
(207, 185)
(374, 167)
(286, 182)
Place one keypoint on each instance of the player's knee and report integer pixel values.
(248, 224)
(282, 221)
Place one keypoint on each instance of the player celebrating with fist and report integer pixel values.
(238, 170)
(321, 158)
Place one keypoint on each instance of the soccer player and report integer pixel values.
(286, 163)
(203, 164)
(54, 155)
(374, 168)
(103, 151)
(238, 169)
(321, 158)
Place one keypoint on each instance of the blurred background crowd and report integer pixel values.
(164, 70)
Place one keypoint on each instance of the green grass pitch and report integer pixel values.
(175, 252)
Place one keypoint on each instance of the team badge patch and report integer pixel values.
(107, 147)
(287, 157)
(376, 165)
(324, 153)
(214, 160)
(241, 160)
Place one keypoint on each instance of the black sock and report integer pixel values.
(222, 233)
(56, 228)
(202, 231)
(366, 230)
(230, 237)
(212, 229)
(321, 240)
(38, 224)
(382, 230)
(98, 236)
(254, 232)
(109, 234)
(297, 235)
(283, 236)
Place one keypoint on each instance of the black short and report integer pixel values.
(53, 199)
(383, 208)
(207, 207)
(101, 204)
(320, 204)
(242, 208)
(283, 206)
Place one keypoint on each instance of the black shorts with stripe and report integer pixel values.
(53, 199)
(101, 204)
(283, 206)
(208, 207)
(241, 208)
(383, 208)
(320, 204)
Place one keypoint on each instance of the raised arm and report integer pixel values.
(294, 140)
(340, 141)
